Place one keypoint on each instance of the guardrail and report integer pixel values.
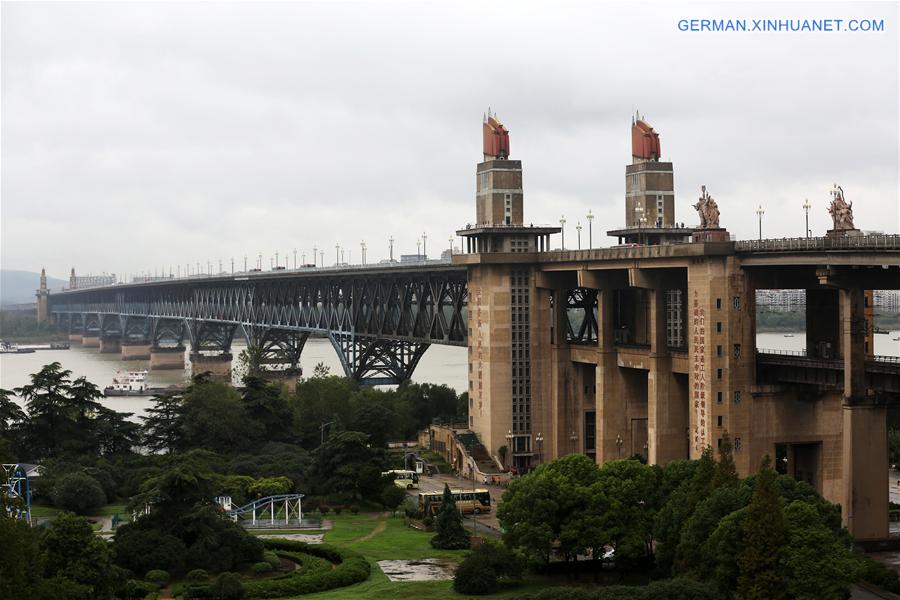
(868, 242)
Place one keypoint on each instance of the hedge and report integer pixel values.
(351, 568)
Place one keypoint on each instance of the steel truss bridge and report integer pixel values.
(379, 319)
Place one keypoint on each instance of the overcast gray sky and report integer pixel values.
(143, 135)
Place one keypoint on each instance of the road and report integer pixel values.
(486, 522)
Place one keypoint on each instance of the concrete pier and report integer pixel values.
(75, 338)
(218, 366)
(166, 358)
(110, 344)
(135, 350)
(90, 340)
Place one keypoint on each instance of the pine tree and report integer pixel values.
(764, 539)
(448, 523)
(162, 425)
(726, 472)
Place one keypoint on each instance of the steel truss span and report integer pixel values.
(380, 323)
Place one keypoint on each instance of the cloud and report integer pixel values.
(146, 135)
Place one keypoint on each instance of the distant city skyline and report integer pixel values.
(142, 136)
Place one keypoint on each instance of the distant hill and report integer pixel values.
(19, 286)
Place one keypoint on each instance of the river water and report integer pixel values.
(439, 365)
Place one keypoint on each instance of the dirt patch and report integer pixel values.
(382, 525)
(428, 569)
(309, 538)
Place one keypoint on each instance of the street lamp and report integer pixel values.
(391, 248)
(424, 246)
(295, 259)
(806, 207)
(578, 229)
(450, 241)
(760, 212)
(509, 444)
(337, 254)
(619, 443)
(363, 246)
(314, 256)
(418, 249)
(562, 227)
(539, 440)
(590, 218)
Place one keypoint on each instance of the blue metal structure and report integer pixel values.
(283, 510)
(17, 492)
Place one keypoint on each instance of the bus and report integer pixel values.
(467, 501)
(404, 479)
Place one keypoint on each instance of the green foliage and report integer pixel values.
(392, 497)
(227, 586)
(764, 540)
(726, 471)
(270, 486)
(79, 493)
(212, 416)
(158, 577)
(704, 520)
(162, 424)
(272, 558)
(265, 406)
(197, 576)
(262, 567)
(448, 526)
(482, 571)
(349, 568)
(669, 589)
(345, 465)
(75, 554)
(21, 558)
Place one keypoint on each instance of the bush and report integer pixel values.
(227, 586)
(475, 577)
(158, 577)
(272, 558)
(197, 576)
(139, 589)
(338, 509)
(324, 509)
(354, 509)
(666, 589)
(349, 568)
(77, 492)
(262, 567)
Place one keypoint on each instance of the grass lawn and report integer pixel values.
(40, 512)
(112, 509)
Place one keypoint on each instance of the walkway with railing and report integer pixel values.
(867, 242)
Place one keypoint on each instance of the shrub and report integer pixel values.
(324, 509)
(77, 492)
(272, 558)
(139, 589)
(338, 509)
(197, 576)
(227, 586)
(476, 578)
(354, 509)
(158, 577)
(262, 567)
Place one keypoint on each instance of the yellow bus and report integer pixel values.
(404, 479)
(467, 501)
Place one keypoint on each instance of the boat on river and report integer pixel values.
(13, 348)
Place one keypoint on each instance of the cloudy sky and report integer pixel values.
(146, 135)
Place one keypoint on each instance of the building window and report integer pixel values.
(736, 302)
(718, 373)
(737, 396)
(718, 326)
(718, 303)
(719, 443)
(719, 421)
(634, 181)
(737, 444)
(719, 397)
(737, 350)
(719, 350)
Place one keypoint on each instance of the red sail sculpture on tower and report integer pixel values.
(496, 139)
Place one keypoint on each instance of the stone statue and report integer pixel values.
(841, 211)
(708, 210)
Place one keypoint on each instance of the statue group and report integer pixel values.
(841, 211)
(708, 210)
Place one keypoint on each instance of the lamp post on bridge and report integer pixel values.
(337, 254)
(590, 219)
(806, 207)
(362, 245)
(295, 259)
(322, 257)
(450, 240)
(418, 249)
(391, 248)
(760, 212)
(245, 263)
(578, 229)
(232, 265)
(314, 256)
(562, 227)
(424, 246)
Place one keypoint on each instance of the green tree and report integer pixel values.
(46, 402)
(392, 497)
(450, 534)
(78, 492)
(10, 413)
(764, 539)
(270, 486)
(114, 433)
(318, 401)
(21, 557)
(212, 416)
(264, 405)
(161, 429)
(726, 471)
(485, 567)
(76, 554)
(340, 464)
(627, 517)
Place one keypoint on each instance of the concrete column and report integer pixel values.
(667, 411)
(865, 469)
(218, 366)
(612, 419)
(136, 350)
(110, 344)
(90, 340)
(166, 358)
(853, 342)
(75, 338)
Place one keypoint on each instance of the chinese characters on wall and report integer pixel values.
(698, 360)
(479, 350)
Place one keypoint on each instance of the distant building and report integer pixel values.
(887, 301)
(781, 300)
(89, 281)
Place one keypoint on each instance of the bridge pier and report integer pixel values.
(217, 365)
(864, 461)
(75, 338)
(110, 344)
(136, 350)
(91, 339)
(166, 358)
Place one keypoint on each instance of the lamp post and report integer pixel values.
(806, 207)
(314, 256)
(450, 241)
(539, 441)
(760, 212)
(363, 246)
(303, 258)
(424, 246)
(639, 217)
(418, 249)
(391, 248)
(322, 429)
(562, 226)
(295, 259)
(619, 443)
(276, 258)
(232, 265)
(509, 444)
(337, 254)
(322, 257)
(578, 229)
(590, 219)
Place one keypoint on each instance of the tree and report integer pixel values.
(76, 554)
(212, 416)
(321, 370)
(764, 538)
(270, 486)
(21, 558)
(114, 432)
(726, 471)
(162, 425)
(319, 401)
(627, 514)
(45, 399)
(341, 463)
(265, 406)
(10, 413)
(78, 492)
(482, 570)
(448, 525)
(392, 497)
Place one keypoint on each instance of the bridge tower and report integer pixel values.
(500, 253)
(42, 298)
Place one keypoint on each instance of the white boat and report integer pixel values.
(13, 348)
(126, 383)
(789, 335)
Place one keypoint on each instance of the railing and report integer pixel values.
(781, 352)
(880, 358)
(870, 242)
